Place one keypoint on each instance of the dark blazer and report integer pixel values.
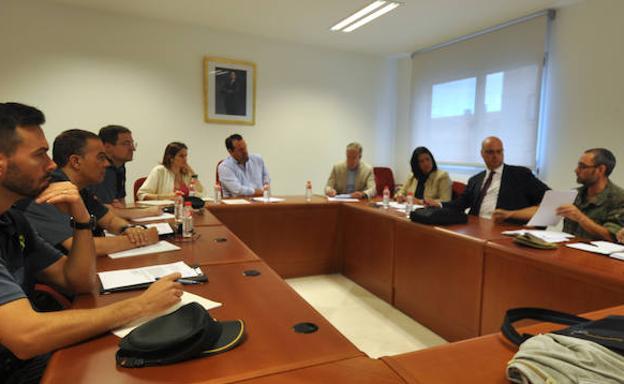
(519, 189)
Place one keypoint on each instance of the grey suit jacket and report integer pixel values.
(364, 180)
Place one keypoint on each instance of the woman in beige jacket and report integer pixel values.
(174, 174)
(426, 182)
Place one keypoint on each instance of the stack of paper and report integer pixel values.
(155, 202)
(235, 201)
(184, 299)
(161, 246)
(344, 198)
(549, 236)
(162, 228)
(124, 278)
(602, 247)
(163, 216)
(399, 206)
(271, 199)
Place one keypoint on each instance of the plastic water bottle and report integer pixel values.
(187, 220)
(409, 204)
(308, 191)
(178, 207)
(193, 186)
(386, 197)
(217, 193)
(266, 193)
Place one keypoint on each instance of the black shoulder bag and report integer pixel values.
(608, 331)
(438, 216)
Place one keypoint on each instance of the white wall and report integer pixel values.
(586, 85)
(87, 69)
(585, 103)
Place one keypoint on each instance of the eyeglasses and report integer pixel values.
(493, 151)
(132, 144)
(582, 166)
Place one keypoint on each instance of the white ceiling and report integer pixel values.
(416, 24)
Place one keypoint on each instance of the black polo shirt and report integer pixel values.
(113, 187)
(23, 253)
(53, 224)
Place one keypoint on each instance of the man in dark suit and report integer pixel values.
(501, 192)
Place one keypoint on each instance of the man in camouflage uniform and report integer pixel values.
(598, 210)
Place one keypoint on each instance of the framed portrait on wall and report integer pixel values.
(229, 91)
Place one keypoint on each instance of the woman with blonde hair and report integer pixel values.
(173, 175)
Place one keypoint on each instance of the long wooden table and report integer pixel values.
(456, 280)
(267, 305)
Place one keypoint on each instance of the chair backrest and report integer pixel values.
(384, 177)
(137, 184)
(457, 189)
(217, 173)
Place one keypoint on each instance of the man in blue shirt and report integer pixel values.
(242, 174)
(27, 336)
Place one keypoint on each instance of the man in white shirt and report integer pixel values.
(501, 192)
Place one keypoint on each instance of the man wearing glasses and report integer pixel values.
(119, 147)
(598, 210)
(501, 192)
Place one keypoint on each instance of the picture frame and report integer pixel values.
(229, 91)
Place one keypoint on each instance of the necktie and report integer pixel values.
(486, 186)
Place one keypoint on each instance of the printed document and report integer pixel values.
(163, 216)
(161, 246)
(144, 275)
(186, 298)
(546, 213)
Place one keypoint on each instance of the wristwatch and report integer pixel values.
(78, 225)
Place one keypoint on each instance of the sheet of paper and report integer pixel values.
(549, 236)
(601, 247)
(546, 213)
(271, 199)
(155, 202)
(134, 276)
(161, 246)
(343, 199)
(235, 201)
(162, 228)
(163, 216)
(617, 255)
(399, 206)
(186, 298)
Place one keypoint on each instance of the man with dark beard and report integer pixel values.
(598, 210)
(27, 336)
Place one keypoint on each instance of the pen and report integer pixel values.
(188, 282)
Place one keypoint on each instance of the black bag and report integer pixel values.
(196, 202)
(438, 216)
(608, 332)
(183, 334)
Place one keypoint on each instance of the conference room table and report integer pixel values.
(456, 280)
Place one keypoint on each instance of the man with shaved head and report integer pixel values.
(501, 192)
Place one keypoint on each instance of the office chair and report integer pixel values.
(137, 184)
(384, 178)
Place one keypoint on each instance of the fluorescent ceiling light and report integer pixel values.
(389, 7)
(359, 14)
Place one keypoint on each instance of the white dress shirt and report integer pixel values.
(491, 196)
